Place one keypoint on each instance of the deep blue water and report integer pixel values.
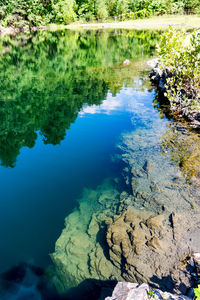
(66, 100)
(43, 187)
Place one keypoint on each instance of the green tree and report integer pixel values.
(192, 6)
(117, 7)
(101, 9)
(63, 11)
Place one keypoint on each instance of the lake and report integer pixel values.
(67, 103)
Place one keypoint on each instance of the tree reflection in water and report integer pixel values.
(47, 77)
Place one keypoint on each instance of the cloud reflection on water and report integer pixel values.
(128, 100)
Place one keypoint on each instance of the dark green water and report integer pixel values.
(65, 101)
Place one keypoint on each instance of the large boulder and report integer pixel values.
(134, 291)
(153, 248)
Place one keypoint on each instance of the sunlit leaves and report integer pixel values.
(180, 52)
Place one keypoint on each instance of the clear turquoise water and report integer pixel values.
(66, 98)
(38, 193)
(42, 189)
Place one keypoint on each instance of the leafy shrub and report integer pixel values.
(101, 9)
(192, 6)
(63, 11)
(180, 52)
(130, 15)
(160, 7)
(178, 7)
(143, 13)
(36, 12)
(117, 7)
(197, 293)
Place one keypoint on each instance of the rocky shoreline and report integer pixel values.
(16, 30)
(134, 291)
(12, 31)
(181, 105)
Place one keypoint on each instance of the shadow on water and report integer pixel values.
(26, 282)
(166, 283)
(161, 104)
(91, 289)
(29, 282)
(180, 142)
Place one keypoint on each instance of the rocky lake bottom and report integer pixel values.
(144, 233)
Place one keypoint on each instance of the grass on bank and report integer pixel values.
(158, 22)
(153, 23)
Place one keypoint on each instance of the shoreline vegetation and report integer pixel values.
(27, 15)
(157, 22)
(154, 23)
(177, 74)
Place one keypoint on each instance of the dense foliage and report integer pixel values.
(47, 77)
(36, 12)
(197, 293)
(180, 53)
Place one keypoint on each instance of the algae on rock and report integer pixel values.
(79, 253)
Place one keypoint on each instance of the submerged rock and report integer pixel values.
(107, 238)
(182, 146)
(152, 238)
(80, 252)
(126, 62)
(147, 233)
(151, 248)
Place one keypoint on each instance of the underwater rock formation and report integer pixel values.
(152, 248)
(145, 233)
(80, 252)
(182, 147)
(154, 181)
(150, 239)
